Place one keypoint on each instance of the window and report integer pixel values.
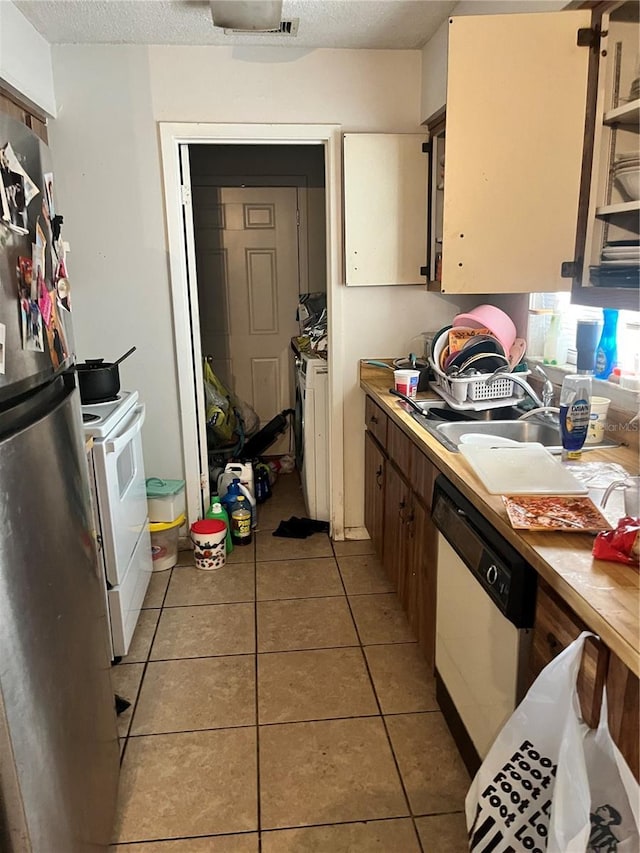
(542, 306)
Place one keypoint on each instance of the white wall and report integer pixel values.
(108, 168)
(434, 53)
(108, 188)
(25, 60)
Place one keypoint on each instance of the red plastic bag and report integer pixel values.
(622, 544)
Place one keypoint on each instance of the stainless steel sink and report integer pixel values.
(530, 430)
(441, 410)
(537, 429)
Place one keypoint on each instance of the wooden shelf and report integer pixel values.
(615, 209)
(627, 114)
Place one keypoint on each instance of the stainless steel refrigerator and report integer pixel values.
(59, 753)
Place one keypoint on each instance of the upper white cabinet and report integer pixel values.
(385, 208)
(515, 122)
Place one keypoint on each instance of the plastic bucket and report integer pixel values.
(164, 543)
(597, 418)
(208, 538)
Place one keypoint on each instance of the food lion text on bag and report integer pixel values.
(518, 797)
(549, 782)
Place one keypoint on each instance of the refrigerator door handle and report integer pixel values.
(124, 438)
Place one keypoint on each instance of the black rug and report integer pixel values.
(300, 528)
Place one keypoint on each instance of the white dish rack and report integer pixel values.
(472, 392)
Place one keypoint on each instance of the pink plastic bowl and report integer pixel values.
(489, 317)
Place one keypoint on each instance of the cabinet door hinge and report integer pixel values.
(568, 269)
(185, 192)
(427, 147)
(298, 218)
(590, 37)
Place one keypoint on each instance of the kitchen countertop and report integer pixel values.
(604, 594)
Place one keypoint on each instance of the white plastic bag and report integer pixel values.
(534, 789)
(613, 819)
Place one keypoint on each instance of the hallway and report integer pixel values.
(281, 705)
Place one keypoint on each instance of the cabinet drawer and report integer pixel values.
(399, 448)
(376, 421)
(423, 476)
(556, 626)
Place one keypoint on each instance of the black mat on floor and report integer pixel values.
(300, 528)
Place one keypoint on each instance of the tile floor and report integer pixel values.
(281, 705)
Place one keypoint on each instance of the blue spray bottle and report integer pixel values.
(607, 351)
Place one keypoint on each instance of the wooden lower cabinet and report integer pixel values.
(556, 625)
(397, 507)
(623, 699)
(409, 557)
(397, 515)
(421, 607)
(374, 491)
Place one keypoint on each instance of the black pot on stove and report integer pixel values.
(99, 380)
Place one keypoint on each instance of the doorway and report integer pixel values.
(259, 217)
(255, 216)
(173, 136)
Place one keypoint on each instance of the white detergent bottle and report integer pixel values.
(243, 471)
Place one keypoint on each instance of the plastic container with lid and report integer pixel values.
(165, 499)
(164, 543)
(208, 537)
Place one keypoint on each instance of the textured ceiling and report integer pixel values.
(386, 24)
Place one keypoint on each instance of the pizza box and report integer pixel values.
(521, 469)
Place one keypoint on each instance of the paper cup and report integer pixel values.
(406, 381)
(597, 418)
(208, 538)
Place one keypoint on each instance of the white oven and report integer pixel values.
(122, 523)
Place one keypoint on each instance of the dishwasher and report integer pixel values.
(484, 619)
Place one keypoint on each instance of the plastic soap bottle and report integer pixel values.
(234, 490)
(241, 521)
(607, 351)
(575, 409)
(554, 351)
(217, 511)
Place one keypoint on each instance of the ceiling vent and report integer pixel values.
(249, 15)
(286, 28)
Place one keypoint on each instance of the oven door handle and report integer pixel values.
(124, 438)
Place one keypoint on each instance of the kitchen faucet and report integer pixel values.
(547, 388)
(542, 407)
(516, 379)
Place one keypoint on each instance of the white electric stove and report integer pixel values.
(120, 498)
(100, 418)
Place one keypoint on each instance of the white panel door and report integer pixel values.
(247, 249)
